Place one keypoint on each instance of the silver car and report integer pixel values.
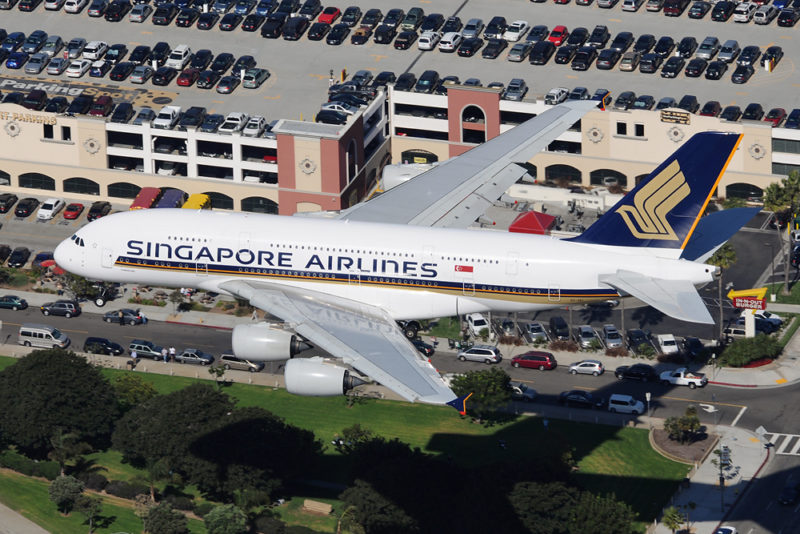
(57, 66)
(229, 361)
(196, 356)
(587, 367)
(536, 331)
(37, 63)
(140, 12)
(611, 336)
(75, 47)
(473, 28)
(585, 336)
(729, 51)
(141, 73)
(481, 353)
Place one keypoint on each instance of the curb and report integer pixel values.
(731, 385)
(185, 323)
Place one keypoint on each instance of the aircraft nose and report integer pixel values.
(61, 254)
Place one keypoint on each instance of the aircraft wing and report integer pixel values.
(457, 191)
(363, 336)
(676, 298)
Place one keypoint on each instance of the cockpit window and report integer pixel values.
(78, 241)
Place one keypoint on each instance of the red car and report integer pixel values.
(73, 211)
(775, 116)
(188, 77)
(558, 35)
(329, 15)
(535, 359)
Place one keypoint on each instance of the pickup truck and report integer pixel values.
(683, 377)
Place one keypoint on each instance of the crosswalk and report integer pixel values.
(785, 444)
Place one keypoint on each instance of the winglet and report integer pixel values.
(460, 404)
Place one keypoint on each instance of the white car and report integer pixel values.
(57, 66)
(429, 40)
(75, 6)
(516, 31)
(255, 126)
(477, 322)
(744, 11)
(341, 107)
(234, 122)
(50, 208)
(450, 42)
(78, 67)
(95, 50)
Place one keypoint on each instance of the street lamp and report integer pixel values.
(771, 246)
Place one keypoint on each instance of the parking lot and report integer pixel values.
(301, 70)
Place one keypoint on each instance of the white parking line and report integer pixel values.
(741, 412)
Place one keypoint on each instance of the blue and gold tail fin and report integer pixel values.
(663, 210)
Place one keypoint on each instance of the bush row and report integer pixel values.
(22, 464)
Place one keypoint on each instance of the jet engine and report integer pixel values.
(313, 377)
(261, 342)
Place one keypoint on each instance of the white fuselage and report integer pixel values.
(409, 271)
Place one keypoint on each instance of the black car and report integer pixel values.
(622, 41)
(338, 34)
(243, 63)
(731, 113)
(384, 78)
(405, 40)
(664, 46)
(201, 59)
(222, 62)
(716, 69)
(493, 48)
(20, 255)
(252, 22)
(208, 79)
(384, 34)
(753, 112)
(722, 11)
(348, 98)
(625, 99)
(644, 43)
(7, 201)
(192, 118)
(696, 67)
(206, 21)
(351, 16)
(140, 54)
(788, 17)
(712, 108)
(793, 122)
(565, 54)
(164, 14)
(692, 347)
(427, 82)
(673, 67)
(161, 52)
(742, 73)
(230, 21)
(121, 71)
(329, 116)
(772, 55)
(117, 10)
(636, 338)
(80, 105)
(687, 47)
(295, 28)
(540, 32)
(123, 113)
(637, 371)
(212, 122)
(599, 37)
(749, 56)
(469, 47)
(394, 17)
(318, 31)
(542, 52)
(699, 9)
(98, 209)
(650, 63)
(578, 37)
(582, 399)
(164, 75)
(452, 24)
(607, 59)
(57, 104)
(405, 82)
(584, 58)
(432, 23)
(425, 348)
(187, 17)
(101, 345)
(689, 103)
(644, 102)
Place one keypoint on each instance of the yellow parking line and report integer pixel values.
(319, 76)
(146, 33)
(378, 57)
(272, 97)
(705, 402)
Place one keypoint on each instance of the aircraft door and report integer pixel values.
(201, 269)
(107, 258)
(553, 293)
(512, 263)
(468, 284)
(354, 278)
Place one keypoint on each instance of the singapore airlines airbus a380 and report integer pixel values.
(341, 282)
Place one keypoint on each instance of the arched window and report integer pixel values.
(473, 114)
(123, 190)
(562, 174)
(352, 160)
(35, 180)
(746, 191)
(220, 201)
(5, 178)
(640, 178)
(82, 186)
(259, 205)
(608, 178)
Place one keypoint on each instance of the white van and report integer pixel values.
(42, 335)
(625, 404)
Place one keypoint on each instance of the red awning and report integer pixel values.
(532, 222)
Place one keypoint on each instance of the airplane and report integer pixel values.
(342, 281)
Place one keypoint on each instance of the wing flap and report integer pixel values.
(363, 336)
(676, 298)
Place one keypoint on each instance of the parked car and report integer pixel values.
(587, 367)
(64, 308)
(19, 257)
(101, 345)
(637, 371)
(195, 356)
(145, 349)
(481, 353)
(129, 316)
(580, 398)
(26, 206)
(535, 359)
(50, 208)
(12, 302)
(521, 392)
(230, 361)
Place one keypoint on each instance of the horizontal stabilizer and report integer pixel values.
(676, 298)
(715, 229)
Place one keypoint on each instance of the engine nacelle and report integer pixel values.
(312, 377)
(262, 343)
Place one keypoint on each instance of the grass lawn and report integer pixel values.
(609, 459)
(29, 497)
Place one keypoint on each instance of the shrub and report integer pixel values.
(745, 351)
(93, 481)
(569, 346)
(202, 508)
(617, 352)
(269, 524)
(17, 462)
(180, 502)
(125, 490)
(48, 470)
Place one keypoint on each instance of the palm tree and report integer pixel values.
(782, 196)
(724, 258)
(672, 519)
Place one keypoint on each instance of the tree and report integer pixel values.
(724, 257)
(90, 507)
(51, 389)
(218, 372)
(490, 390)
(544, 507)
(157, 469)
(352, 437)
(80, 287)
(162, 519)
(672, 519)
(132, 391)
(226, 519)
(600, 515)
(176, 297)
(784, 196)
(374, 513)
(685, 428)
(347, 523)
(64, 491)
(66, 447)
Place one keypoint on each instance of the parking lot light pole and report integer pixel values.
(771, 246)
